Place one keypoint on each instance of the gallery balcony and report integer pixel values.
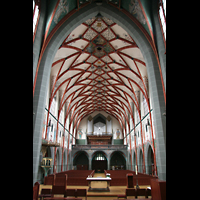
(50, 143)
(99, 146)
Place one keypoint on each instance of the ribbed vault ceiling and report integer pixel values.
(98, 67)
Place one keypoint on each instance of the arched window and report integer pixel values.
(99, 156)
(35, 14)
(162, 15)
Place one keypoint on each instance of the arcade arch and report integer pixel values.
(99, 161)
(81, 160)
(117, 160)
(150, 161)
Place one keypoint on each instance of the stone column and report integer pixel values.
(108, 162)
(90, 161)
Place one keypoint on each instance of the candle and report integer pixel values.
(136, 169)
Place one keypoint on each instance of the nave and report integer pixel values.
(99, 98)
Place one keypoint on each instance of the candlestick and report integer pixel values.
(137, 186)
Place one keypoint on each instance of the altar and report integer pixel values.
(96, 180)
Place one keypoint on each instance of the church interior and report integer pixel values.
(99, 99)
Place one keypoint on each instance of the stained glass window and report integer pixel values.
(99, 156)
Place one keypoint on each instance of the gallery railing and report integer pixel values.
(95, 133)
(99, 146)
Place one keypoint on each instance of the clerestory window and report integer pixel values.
(35, 15)
(162, 15)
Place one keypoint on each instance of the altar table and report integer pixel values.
(96, 179)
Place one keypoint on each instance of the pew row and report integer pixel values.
(74, 177)
(119, 177)
(62, 198)
(61, 190)
(135, 193)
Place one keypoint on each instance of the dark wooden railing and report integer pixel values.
(100, 146)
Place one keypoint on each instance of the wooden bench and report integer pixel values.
(76, 177)
(44, 192)
(158, 189)
(119, 177)
(69, 192)
(49, 179)
(36, 190)
(61, 180)
(60, 185)
(136, 193)
(139, 199)
(76, 193)
(72, 173)
(62, 198)
(81, 193)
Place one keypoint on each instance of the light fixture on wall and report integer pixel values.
(164, 114)
(49, 124)
(135, 134)
(63, 133)
(147, 124)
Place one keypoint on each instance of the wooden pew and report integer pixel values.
(45, 193)
(36, 190)
(81, 193)
(140, 192)
(135, 193)
(49, 179)
(119, 177)
(61, 180)
(69, 192)
(148, 193)
(62, 198)
(128, 192)
(60, 185)
(76, 177)
(72, 173)
(158, 189)
(76, 193)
